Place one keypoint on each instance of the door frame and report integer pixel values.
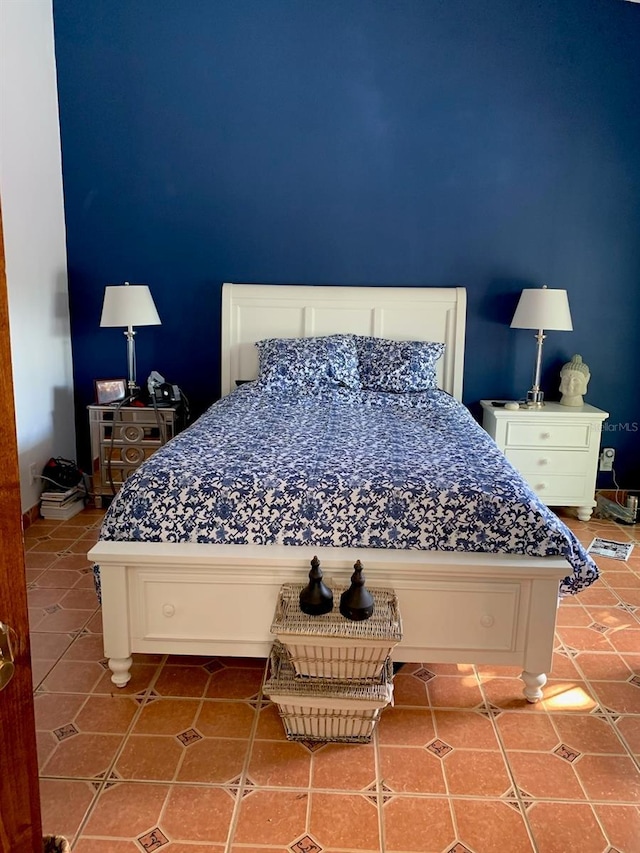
(20, 817)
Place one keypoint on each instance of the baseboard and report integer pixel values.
(30, 516)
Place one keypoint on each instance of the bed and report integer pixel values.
(201, 576)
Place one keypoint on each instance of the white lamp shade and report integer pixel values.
(543, 308)
(128, 305)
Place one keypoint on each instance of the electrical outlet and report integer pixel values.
(33, 471)
(607, 456)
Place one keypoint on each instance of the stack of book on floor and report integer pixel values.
(60, 503)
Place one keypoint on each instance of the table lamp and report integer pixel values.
(541, 308)
(129, 305)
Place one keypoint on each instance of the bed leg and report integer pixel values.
(120, 669)
(533, 684)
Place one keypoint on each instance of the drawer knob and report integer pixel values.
(133, 455)
(545, 435)
(168, 609)
(133, 433)
(486, 620)
(540, 487)
(543, 461)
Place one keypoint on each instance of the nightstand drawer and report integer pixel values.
(116, 475)
(559, 489)
(540, 462)
(130, 455)
(548, 434)
(152, 434)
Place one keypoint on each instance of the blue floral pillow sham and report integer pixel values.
(308, 363)
(397, 366)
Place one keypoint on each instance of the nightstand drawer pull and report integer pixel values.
(133, 432)
(168, 610)
(545, 435)
(540, 487)
(487, 620)
(543, 461)
(133, 455)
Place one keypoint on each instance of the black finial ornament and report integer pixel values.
(316, 598)
(356, 603)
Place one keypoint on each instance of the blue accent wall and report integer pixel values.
(493, 144)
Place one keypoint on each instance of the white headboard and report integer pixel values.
(251, 312)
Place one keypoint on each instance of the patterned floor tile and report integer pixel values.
(622, 697)
(272, 817)
(545, 775)
(227, 719)
(64, 804)
(474, 772)
(280, 764)
(609, 777)
(418, 825)
(234, 683)
(465, 730)
(127, 810)
(412, 770)
(485, 824)
(344, 766)
(149, 758)
(587, 733)
(167, 716)
(537, 733)
(629, 729)
(554, 828)
(447, 691)
(215, 760)
(197, 813)
(406, 726)
(344, 821)
(182, 681)
(80, 755)
(621, 825)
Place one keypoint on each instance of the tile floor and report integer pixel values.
(188, 758)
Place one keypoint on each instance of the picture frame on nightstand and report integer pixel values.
(109, 391)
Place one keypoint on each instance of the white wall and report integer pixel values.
(34, 235)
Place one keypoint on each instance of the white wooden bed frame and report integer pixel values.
(219, 599)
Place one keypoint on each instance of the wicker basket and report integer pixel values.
(330, 646)
(326, 709)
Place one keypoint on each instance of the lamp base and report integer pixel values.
(535, 398)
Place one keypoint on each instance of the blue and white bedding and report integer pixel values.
(343, 467)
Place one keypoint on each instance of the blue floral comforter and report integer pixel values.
(341, 468)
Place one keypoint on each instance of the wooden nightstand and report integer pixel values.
(122, 438)
(555, 448)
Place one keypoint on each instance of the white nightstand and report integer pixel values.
(555, 448)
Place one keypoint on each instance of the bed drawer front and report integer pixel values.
(548, 434)
(481, 616)
(189, 606)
